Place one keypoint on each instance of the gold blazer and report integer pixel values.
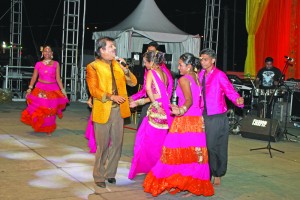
(99, 81)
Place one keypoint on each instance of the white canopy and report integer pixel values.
(145, 24)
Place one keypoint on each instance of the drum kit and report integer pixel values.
(259, 97)
(268, 92)
(234, 118)
(255, 98)
(263, 97)
(286, 103)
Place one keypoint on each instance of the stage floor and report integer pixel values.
(36, 166)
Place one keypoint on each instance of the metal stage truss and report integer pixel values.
(211, 25)
(69, 62)
(14, 83)
(72, 70)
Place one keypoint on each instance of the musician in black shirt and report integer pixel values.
(267, 77)
(267, 80)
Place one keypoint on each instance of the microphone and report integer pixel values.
(121, 62)
(289, 58)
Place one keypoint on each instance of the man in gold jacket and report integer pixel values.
(107, 79)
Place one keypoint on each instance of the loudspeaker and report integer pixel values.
(295, 108)
(259, 128)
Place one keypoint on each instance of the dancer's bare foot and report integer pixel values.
(217, 181)
(187, 195)
(164, 192)
(167, 192)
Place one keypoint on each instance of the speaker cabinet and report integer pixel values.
(295, 106)
(259, 128)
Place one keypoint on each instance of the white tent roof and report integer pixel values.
(148, 17)
(147, 23)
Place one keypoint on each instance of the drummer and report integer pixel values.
(267, 79)
(267, 76)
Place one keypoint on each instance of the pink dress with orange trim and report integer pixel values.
(45, 101)
(183, 165)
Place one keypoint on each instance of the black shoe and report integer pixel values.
(101, 184)
(112, 180)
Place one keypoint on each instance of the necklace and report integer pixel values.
(46, 62)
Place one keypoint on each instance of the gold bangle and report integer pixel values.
(156, 104)
(126, 71)
(140, 102)
(28, 90)
(30, 87)
(181, 111)
(63, 91)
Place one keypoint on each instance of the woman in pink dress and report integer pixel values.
(48, 98)
(154, 128)
(183, 165)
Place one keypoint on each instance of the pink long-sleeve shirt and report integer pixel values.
(216, 87)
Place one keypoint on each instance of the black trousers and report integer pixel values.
(217, 133)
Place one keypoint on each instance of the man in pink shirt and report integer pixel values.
(152, 46)
(215, 85)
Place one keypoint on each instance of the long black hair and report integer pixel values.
(188, 58)
(157, 57)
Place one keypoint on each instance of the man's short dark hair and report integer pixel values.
(268, 59)
(101, 43)
(153, 44)
(210, 52)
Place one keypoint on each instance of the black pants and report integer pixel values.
(143, 114)
(217, 133)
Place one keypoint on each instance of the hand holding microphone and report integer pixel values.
(121, 61)
(122, 64)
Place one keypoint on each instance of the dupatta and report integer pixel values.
(158, 120)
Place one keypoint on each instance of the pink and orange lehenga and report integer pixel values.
(45, 101)
(151, 133)
(183, 165)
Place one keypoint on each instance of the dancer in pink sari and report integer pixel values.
(154, 128)
(48, 98)
(183, 165)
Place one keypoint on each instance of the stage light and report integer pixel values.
(4, 46)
